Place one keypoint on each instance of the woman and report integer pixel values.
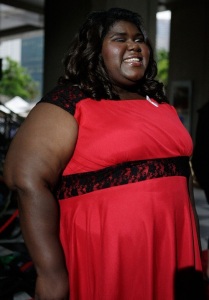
(102, 173)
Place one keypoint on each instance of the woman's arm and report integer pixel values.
(38, 154)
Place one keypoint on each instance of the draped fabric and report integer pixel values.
(127, 234)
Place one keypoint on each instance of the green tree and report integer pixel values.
(163, 65)
(16, 81)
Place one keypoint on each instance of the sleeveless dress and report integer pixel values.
(126, 222)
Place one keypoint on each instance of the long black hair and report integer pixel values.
(84, 64)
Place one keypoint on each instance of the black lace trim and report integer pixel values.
(64, 96)
(124, 173)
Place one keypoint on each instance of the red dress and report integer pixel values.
(127, 225)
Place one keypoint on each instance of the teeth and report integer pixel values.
(132, 59)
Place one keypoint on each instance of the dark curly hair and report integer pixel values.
(84, 64)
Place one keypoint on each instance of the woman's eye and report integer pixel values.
(120, 40)
(139, 40)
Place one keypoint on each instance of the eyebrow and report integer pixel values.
(113, 33)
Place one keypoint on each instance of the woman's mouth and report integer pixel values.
(133, 60)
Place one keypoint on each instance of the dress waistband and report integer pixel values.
(120, 174)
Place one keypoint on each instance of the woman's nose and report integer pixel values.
(134, 46)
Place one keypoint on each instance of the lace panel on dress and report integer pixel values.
(124, 173)
(64, 96)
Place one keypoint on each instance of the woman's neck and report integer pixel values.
(130, 96)
(130, 93)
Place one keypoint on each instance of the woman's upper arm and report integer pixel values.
(41, 148)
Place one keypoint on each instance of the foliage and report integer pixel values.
(16, 81)
(163, 65)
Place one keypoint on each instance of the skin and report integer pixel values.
(43, 146)
(36, 158)
(121, 44)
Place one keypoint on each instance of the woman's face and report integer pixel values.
(125, 54)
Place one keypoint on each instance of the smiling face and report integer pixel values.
(125, 54)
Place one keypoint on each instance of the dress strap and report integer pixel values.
(120, 174)
(65, 96)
